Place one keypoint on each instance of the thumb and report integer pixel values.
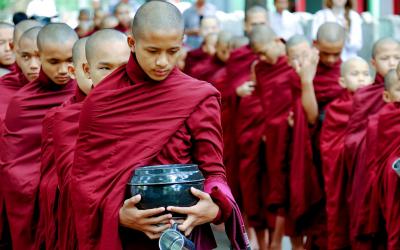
(198, 193)
(131, 202)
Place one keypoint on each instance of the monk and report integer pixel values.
(184, 128)
(122, 13)
(109, 22)
(238, 41)
(367, 102)
(7, 57)
(27, 69)
(354, 75)
(198, 59)
(21, 136)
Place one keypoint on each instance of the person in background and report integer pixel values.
(84, 27)
(18, 17)
(284, 23)
(341, 12)
(192, 18)
(98, 16)
(122, 12)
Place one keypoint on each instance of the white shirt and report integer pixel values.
(45, 8)
(354, 36)
(285, 25)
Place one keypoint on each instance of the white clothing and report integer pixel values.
(285, 24)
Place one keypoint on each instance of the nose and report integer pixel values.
(393, 62)
(162, 60)
(63, 68)
(8, 47)
(35, 63)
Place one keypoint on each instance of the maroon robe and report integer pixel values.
(367, 101)
(122, 28)
(130, 121)
(335, 175)
(65, 133)
(197, 63)
(215, 73)
(244, 151)
(274, 87)
(10, 83)
(20, 154)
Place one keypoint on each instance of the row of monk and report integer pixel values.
(78, 116)
(309, 141)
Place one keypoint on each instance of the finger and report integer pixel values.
(131, 202)
(157, 220)
(153, 236)
(150, 212)
(180, 210)
(188, 231)
(186, 224)
(156, 229)
(200, 194)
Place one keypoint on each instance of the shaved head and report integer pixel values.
(355, 74)
(109, 22)
(5, 25)
(56, 33)
(23, 26)
(223, 48)
(391, 80)
(224, 37)
(349, 64)
(380, 44)
(78, 52)
(331, 32)
(105, 51)
(296, 40)
(262, 34)
(156, 16)
(31, 35)
(77, 70)
(239, 41)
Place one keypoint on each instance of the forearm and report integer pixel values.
(309, 102)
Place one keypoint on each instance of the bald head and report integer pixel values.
(391, 80)
(105, 51)
(355, 74)
(79, 60)
(331, 32)
(352, 63)
(29, 36)
(224, 38)
(23, 26)
(56, 34)
(78, 52)
(5, 25)
(109, 22)
(238, 41)
(262, 34)
(296, 40)
(156, 16)
(382, 44)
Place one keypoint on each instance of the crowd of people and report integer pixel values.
(293, 138)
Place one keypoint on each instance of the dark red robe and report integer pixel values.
(215, 73)
(20, 146)
(10, 83)
(244, 151)
(65, 133)
(130, 121)
(335, 175)
(367, 101)
(197, 62)
(274, 87)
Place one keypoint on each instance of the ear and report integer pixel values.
(86, 70)
(315, 43)
(386, 97)
(11, 44)
(71, 71)
(131, 43)
(342, 83)
(373, 63)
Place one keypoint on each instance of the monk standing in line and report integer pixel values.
(354, 75)
(367, 102)
(243, 151)
(21, 136)
(153, 114)
(7, 56)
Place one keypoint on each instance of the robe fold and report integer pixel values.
(367, 102)
(244, 150)
(10, 83)
(20, 156)
(335, 175)
(197, 64)
(274, 84)
(130, 121)
(215, 73)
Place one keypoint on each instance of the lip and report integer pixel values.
(63, 79)
(161, 72)
(33, 74)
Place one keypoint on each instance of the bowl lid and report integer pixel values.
(166, 174)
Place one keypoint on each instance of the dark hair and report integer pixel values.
(348, 6)
(18, 17)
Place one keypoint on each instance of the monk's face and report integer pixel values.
(98, 17)
(393, 94)
(109, 57)
(7, 56)
(223, 51)
(122, 13)
(55, 61)
(28, 58)
(387, 57)
(357, 75)
(157, 52)
(210, 44)
(256, 18)
(268, 52)
(329, 52)
(296, 52)
(209, 26)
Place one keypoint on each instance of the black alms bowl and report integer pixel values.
(166, 185)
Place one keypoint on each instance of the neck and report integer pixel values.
(279, 11)
(337, 10)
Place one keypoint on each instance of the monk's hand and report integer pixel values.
(146, 220)
(245, 89)
(306, 66)
(290, 119)
(204, 211)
